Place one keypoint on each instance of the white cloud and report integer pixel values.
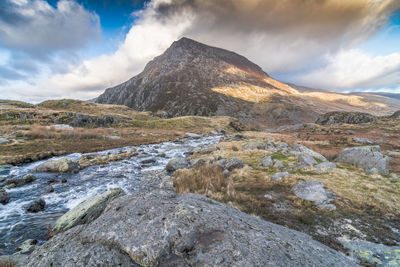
(354, 68)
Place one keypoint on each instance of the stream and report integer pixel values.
(17, 225)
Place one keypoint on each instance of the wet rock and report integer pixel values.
(231, 164)
(192, 135)
(267, 161)
(162, 228)
(49, 189)
(27, 246)
(26, 179)
(366, 157)
(87, 211)
(63, 180)
(60, 165)
(339, 117)
(278, 176)
(148, 161)
(3, 140)
(176, 164)
(36, 206)
(4, 196)
(300, 149)
(307, 160)
(373, 254)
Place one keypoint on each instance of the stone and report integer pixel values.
(231, 164)
(278, 164)
(161, 228)
(299, 149)
(307, 160)
(205, 150)
(278, 176)
(339, 117)
(36, 206)
(327, 164)
(350, 132)
(26, 179)
(371, 254)
(87, 211)
(283, 147)
(148, 161)
(49, 189)
(63, 180)
(27, 246)
(3, 140)
(311, 191)
(4, 196)
(60, 165)
(267, 161)
(253, 146)
(64, 127)
(176, 164)
(237, 125)
(366, 157)
(363, 140)
(114, 137)
(192, 135)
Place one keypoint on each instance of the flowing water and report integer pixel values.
(17, 225)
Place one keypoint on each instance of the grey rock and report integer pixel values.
(231, 164)
(176, 164)
(60, 165)
(300, 149)
(3, 140)
(87, 211)
(394, 154)
(267, 161)
(65, 127)
(205, 150)
(36, 206)
(49, 189)
(350, 132)
(253, 146)
(311, 191)
(113, 137)
(278, 164)
(338, 117)
(283, 147)
(366, 157)
(148, 161)
(192, 135)
(4, 196)
(278, 176)
(326, 164)
(373, 254)
(26, 179)
(307, 160)
(165, 229)
(363, 140)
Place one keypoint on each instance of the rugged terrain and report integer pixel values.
(191, 78)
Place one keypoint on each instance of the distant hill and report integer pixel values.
(191, 78)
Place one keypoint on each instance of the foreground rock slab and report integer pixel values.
(162, 228)
(86, 211)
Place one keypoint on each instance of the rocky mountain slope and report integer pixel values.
(191, 78)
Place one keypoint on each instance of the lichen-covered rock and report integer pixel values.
(27, 246)
(162, 228)
(253, 146)
(60, 165)
(300, 149)
(231, 164)
(177, 164)
(4, 196)
(307, 160)
(26, 179)
(338, 117)
(374, 254)
(314, 191)
(86, 211)
(366, 157)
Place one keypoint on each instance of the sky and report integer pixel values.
(77, 48)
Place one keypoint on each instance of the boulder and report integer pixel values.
(3, 140)
(283, 147)
(60, 165)
(278, 164)
(64, 127)
(26, 179)
(231, 164)
(36, 206)
(363, 140)
(205, 150)
(49, 189)
(278, 176)
(314, 191)
(87, 211)
(253, 146)
(300, 149)
(4, 196)
(307, 160)
(267, 161)
(162, 228)
(176, 164)
(366, 157)
(192, 135)
(237, 125)
(339, 117)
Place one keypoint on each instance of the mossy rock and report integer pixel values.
(87, 211)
